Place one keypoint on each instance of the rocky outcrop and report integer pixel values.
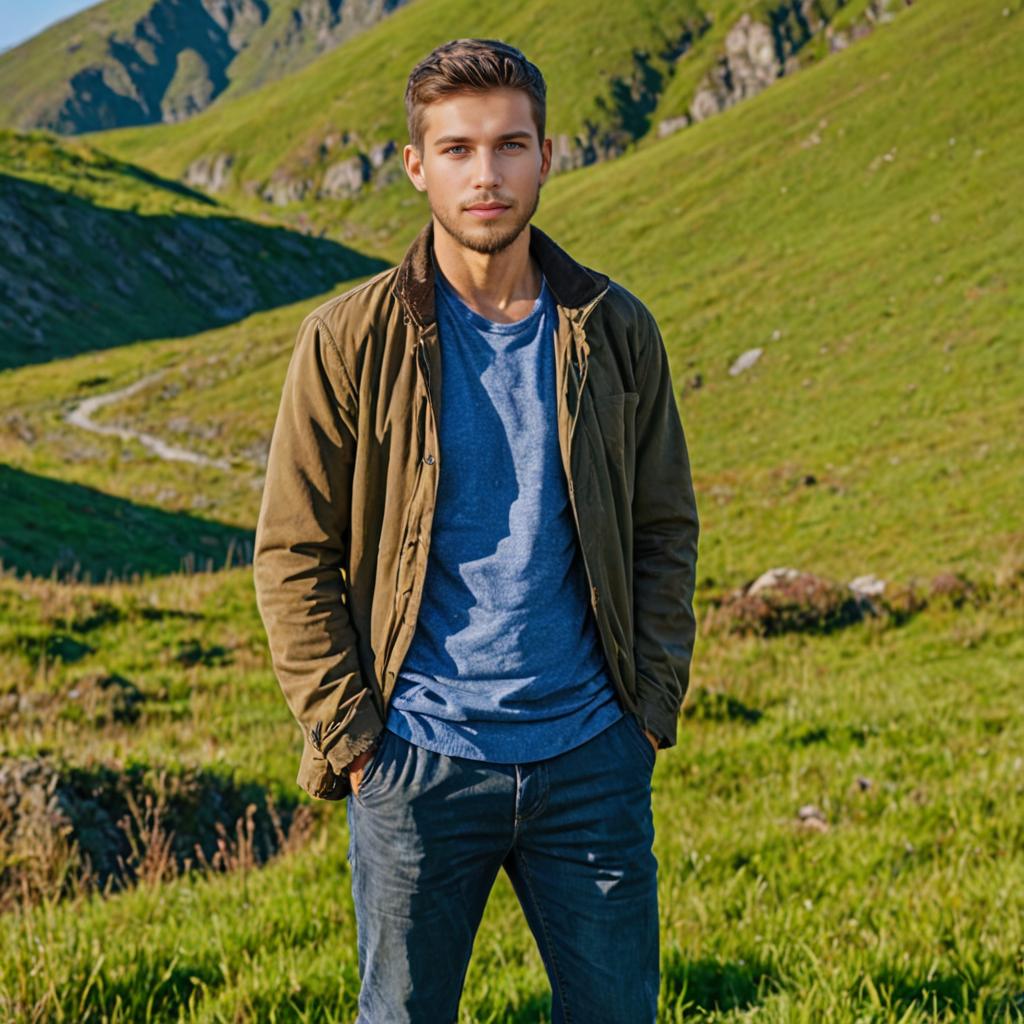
(750, 64)
(210, 173)
(878, 12)
(346, 177)
(283, 189)
(343, 178)
(784, 600)
(313, 27)
(757, 53)
(627, 109)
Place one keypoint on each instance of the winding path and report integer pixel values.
(80, 415)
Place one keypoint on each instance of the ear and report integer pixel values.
(545, 160)
(413, 162)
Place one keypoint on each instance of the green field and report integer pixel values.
(860, 223)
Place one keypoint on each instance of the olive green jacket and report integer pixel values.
(343, 534)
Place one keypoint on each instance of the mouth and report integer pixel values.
(486, 211)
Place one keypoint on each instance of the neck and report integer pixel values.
(497, 285)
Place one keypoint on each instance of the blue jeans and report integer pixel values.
(427, 836)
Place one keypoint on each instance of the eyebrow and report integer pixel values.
(445, 139)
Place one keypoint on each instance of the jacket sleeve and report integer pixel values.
(665, 531)
(301, 547)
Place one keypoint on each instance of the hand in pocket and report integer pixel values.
(359, 764)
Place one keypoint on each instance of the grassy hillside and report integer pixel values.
(76, 498)
(883, 390)
(857, 231)
(606, 71)
(96, 252)
(358, 89)
(839, 827)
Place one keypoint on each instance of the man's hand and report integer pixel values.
(654, 740)
(356, 771)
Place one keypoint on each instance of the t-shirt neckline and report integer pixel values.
(484, 323)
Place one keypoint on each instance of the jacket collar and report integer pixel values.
(572, 284)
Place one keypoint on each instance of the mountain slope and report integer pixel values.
(125, 62)
(95, 252)
(860, 240)
(831, 223)
(335, 129)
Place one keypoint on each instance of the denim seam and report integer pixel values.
(547, 939)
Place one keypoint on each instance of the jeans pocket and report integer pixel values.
(370, 769)
(636, 730)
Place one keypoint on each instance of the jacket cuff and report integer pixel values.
(325, 775)
(657, 711)
(359, 736)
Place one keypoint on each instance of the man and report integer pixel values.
(475, 561)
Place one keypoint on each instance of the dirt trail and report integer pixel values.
(81, 416)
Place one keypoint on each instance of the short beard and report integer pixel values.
(496, 239)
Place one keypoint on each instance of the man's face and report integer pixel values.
(482, 166)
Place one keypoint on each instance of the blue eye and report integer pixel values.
(458, 146)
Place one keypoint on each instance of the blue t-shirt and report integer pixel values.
(506, 663)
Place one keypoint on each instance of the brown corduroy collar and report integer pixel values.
(572, 284)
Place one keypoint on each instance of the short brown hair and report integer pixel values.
(471, 65)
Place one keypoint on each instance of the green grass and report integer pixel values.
(892, 285)
(907, 909)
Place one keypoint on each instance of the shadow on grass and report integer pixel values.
(947, 994)
(714, 705)
(716, 985)
(158, 986)
(66, 531)
(82, 277)
(107, 826)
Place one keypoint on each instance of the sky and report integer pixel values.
(20, 19)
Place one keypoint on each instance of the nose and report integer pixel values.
(485, 171)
